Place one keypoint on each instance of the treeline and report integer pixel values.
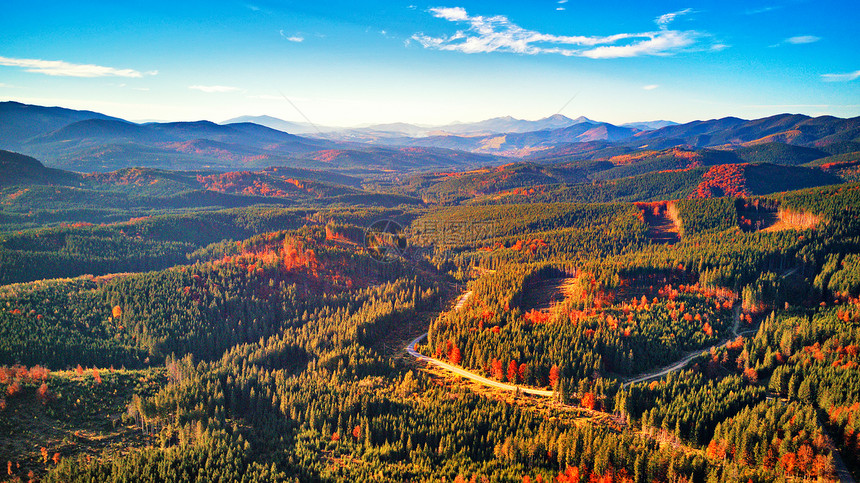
(201, 309)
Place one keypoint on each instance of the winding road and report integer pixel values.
(690, 356)
(543, 392)
(469, 375)
(464, 373)
(841, 470)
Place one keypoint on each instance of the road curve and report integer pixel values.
(464, 373)
(462, 300)
(543, 392)
(689, 357)
(469, 375)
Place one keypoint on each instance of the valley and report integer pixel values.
(216, 301)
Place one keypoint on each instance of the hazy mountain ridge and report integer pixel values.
(108, 144)
(88, 141)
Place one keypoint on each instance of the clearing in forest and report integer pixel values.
(543, 295)
(663, 223)
(766, 215)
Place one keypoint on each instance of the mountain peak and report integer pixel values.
(557, 118)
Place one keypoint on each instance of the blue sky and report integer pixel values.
(349, 63)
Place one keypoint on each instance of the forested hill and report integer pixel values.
(17, 169)
(34, 196)
(266, 343)
(679, 311)
(669, 174)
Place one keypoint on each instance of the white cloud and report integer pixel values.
(560, 9)
(663, 44)
(803, 39)
(499, 34)
(650, 87)
(455, 14)
(67, 69)
(211, 89)
(667, 18)
(850, 76)
(292, 38)
(562, 2)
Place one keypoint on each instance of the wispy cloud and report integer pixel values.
(650, 87)
(67, 69)
(499, 34)
(292, 38)
(664, 20)
(847, 77)
(755, 11)
(802, 39)
(213, 89)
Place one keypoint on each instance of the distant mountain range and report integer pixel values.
(497, 125)
(88, 141)
(279, 124)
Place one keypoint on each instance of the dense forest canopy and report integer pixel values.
(599, 312)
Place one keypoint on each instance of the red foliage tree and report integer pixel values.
(455, 356)
(13, 389)
(553, 375)
(39, 373)
(588, 400)
(806, 460)
(716, 451)
(788, 463)
(570, 475)
(512, 371)
(497, 369)
(44, 393)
